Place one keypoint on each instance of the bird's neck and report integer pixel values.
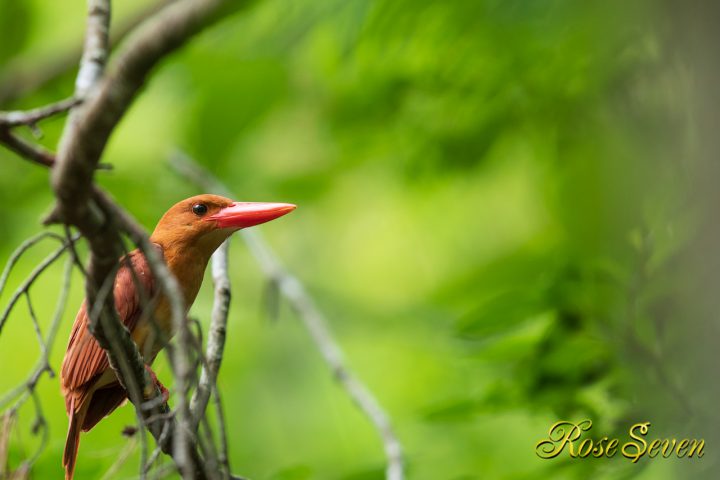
(187, 263)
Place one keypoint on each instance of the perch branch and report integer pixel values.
(98, 219)
(215, 348)
(313, 320)
(216, 334)
(83, 141)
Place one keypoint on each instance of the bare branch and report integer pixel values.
(101, 221)
(31, 117)
(28, 387)
(81, 146)
(6, 424)
(25, 286)
(87, 133)
(216, 334)
(25, 149)
(24, 247)
(17, 144)
(96, 48)
(126, 452)
(43, 365)
(29, 150)
(215, 348)
(313, 320)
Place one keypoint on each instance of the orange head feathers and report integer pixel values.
(205, 221)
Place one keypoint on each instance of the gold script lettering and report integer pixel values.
(635, 450)
(560, 434)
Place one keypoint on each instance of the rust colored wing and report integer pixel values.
(85, 359)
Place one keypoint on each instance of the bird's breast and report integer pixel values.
(152, 332)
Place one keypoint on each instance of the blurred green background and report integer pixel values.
(503, 211)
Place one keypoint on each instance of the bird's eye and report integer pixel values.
(199, 209)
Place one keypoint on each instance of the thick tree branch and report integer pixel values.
(96, 48)
(87, 132)
(313, 320)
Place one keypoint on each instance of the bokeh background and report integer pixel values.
(506, 210)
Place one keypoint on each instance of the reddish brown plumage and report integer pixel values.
(186, 241)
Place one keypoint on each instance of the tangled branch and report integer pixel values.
(100, 221)
(313, 320)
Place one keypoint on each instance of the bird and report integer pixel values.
(186, 236)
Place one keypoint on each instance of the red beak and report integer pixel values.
(247, 214)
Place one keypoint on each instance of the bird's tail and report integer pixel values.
(72, 443)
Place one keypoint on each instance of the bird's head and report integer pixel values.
(205, 221)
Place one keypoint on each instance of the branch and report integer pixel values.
(96, 48)
(183, 453)
(313, 320)
(27, 389)
(104, 240)
(31, 117)
(25, 286)
(124, 356)
(87, 132)
(43, 364)
(28, 150)
(81, 147)
(215, 347)
(217, 332)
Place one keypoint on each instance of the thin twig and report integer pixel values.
(313, 320)
(25, 149)
(24, 247)
(22, 147)
(6, 424)
(121, 460)
(33, 116)
(25, 286)
(216, 333)
(36, 327)
(43, 364)
(316, 324)
(215, 350)
(40, 424)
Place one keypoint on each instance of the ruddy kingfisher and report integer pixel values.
(186, 236)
